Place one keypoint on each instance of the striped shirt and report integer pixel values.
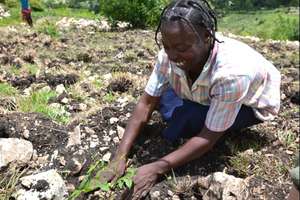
(234, 74)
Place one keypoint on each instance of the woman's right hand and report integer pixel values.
(115, 169)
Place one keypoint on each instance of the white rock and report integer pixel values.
(223, 185)
(26, 133)
(65, 100)
(111, 132)
(107, 77)
(47, 185)
(120, 131)
(113, 120)
(106, 157)
(14, 150)
(94, 144)
(116, 140)
(60, 89)
(89, 130)
(74, 137)
(103, 148)
(155, 195)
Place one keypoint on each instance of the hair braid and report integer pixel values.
(196, 13)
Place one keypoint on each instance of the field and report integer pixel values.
(68, 78)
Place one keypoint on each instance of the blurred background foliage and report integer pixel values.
(276, 19)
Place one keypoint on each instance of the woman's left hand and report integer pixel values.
(144, 180)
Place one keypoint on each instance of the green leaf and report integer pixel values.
(104, 187)
(128, 182)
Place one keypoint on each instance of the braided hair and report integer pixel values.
(196, 13)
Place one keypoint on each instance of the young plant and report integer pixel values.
(93, 182)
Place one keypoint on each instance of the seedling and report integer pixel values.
(93, 182)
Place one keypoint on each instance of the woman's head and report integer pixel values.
(188, 31)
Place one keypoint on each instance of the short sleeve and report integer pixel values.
(158, 80)
(227, 96)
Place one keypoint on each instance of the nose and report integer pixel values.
(173, 56)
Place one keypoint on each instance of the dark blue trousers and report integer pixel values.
(186, 118)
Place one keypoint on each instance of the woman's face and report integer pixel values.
(183, 46)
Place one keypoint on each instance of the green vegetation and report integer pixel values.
(93, 182)
(109, 97)
(277, 24)
(9, 180)
(7, 90)
(38, 102)
(138, 13)
(49, 28)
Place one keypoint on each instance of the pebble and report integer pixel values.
(106, 157)
(120, 131)
(26, 134)
(113, 120)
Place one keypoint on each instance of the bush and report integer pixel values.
(287, 28)
(139, 13)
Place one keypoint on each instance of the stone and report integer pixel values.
(75, 165)
(113, 120)
(222, 186)
(60, 89)
(47, 185)
(120, 131)
(26, 133)
(155, 195)
(74, 137)
(89, 130)
(106, 157)
(15, 150)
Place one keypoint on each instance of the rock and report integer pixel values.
(106, 157)
(60, 89)
(47, 185)
(222, 186)
(26, 133)
(113, 120)
(155, 195)
(120, 131)
(89, 130)
(74, 137)
(14, 150)
(79, 107)
(75, 165)
(102, 149)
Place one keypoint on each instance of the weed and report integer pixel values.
(7, 90)
(109, 97)
(32, 69)
(98, 83)
(287, 138)
(49, 28)
(8, 181)
(38, 102)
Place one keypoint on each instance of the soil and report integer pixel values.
(100, 53)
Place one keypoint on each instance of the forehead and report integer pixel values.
(178, 32)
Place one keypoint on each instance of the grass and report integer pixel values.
(7, 90)
(8, 182)
(15, 17)
(276, 24)
(38, 102)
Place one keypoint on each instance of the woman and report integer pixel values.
(26, 12)
(205, 85)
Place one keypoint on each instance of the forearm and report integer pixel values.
(140, 117)
(192, 149)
